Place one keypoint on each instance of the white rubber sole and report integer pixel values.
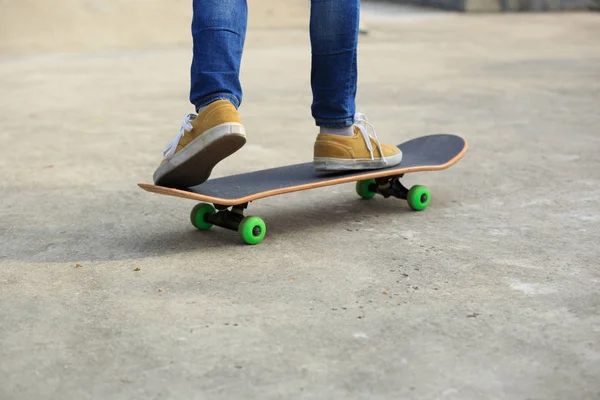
(193, 164)
(341, 164)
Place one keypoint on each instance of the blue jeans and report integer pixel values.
(219, 32)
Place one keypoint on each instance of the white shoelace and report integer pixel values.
(361, 122)
(186, 125)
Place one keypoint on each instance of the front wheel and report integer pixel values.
(252, 230)
(418, 197)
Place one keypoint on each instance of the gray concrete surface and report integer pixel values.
(491, 293)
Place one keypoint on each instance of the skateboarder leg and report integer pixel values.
(345, 141)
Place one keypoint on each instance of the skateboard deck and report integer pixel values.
(426, 153)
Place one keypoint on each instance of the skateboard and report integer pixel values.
(225, 199)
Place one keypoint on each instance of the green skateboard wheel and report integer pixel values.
(418, 197)
(362, 188)
(252, 230)
(198, 213)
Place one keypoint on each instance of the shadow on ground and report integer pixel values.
(115, 225)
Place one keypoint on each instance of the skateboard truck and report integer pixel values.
(252, 230)
(418, 196)
(390, 186)
(225, 218)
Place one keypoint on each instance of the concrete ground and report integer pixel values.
(493, 292)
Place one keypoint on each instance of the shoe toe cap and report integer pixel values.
(390, 150)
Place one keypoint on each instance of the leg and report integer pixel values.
(219, 31)
(204, 140)
(342, 144)
(334, 40)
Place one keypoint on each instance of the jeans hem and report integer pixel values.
(221, 96)
(336, 123)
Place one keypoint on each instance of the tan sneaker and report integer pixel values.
(361, 151)
(203, 141)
